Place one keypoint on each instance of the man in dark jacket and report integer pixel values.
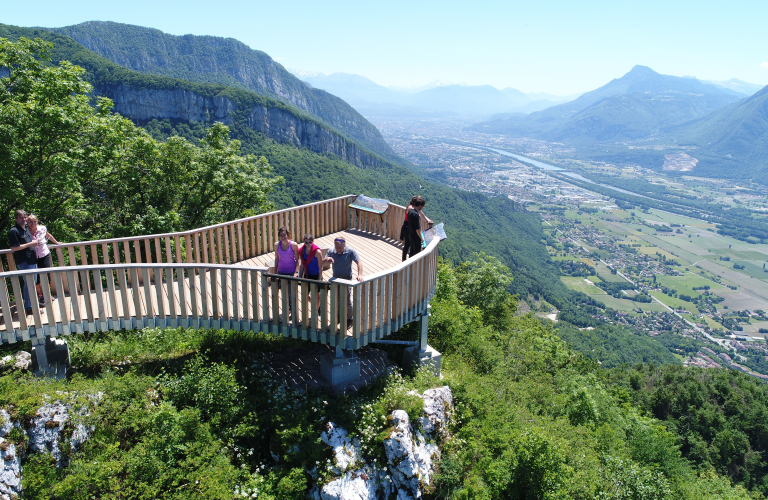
(23, 244)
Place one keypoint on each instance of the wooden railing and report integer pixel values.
(187, 279)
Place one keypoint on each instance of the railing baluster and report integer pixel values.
(181, 282)
(112, 299)
(5, 305)
(245, 308)
(235, 299)
(194, 291)
(255, 300)
(323, 328)
(136, 292)
(304, 309)
(357, 314)
(150, 317)
(16, 283)
(159, 293)
(170, 286)
(265, 303)
(226, 309)
(87, 298)
(62, 263)
(127, 252)
(204, 296)
(284, 314)
(179, 253)
(63, 309)
(274, 294)
(364, 293)
(74, 295)
(294, 311)
(313, 312)
(334, 320)
(121, 278)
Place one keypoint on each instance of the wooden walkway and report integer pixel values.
(237, 295)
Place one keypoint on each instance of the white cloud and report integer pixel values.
(764, 65)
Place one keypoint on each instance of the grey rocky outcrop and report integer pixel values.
(410, 457)
(20, 360)
(10, 461)
(47, 432)
(47, 427)
(144, 104)
(411, 451)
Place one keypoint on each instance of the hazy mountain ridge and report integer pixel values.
(225, 61)
(639, 104)
(732, 141)
(479, 100)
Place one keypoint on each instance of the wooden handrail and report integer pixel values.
(193, 231)
(198, 286)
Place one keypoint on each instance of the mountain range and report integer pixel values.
(637, 105)
(477, 100)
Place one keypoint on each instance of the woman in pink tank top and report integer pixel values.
(286, 260)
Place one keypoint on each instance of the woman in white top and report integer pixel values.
(40, 234)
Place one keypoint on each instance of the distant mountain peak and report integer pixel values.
(639, 69)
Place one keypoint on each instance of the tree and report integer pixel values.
(483, 283)
(52, 141)
(89, 173)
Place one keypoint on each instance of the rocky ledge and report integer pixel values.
(411, 451)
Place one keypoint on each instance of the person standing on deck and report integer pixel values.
(23, 244)
(405, 231)
(311, 262)
(416, 239)
(42, 251)
(342, 258)
(286, 260)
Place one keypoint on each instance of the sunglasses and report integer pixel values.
(340, 240)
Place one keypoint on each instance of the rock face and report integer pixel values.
(21, 360)
(411, 455)
(10, 461)
(346, 452)
(144, 104)
(46, 429)
(47, 432)
(225, 61)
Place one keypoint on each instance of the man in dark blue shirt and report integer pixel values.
(23, 244)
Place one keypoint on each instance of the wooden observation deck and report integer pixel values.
(218, 277)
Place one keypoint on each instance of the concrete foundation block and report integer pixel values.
(415, 355)
(340, 369)
(50, 357)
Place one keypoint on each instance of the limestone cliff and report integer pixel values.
(144, 104)
(225, 61)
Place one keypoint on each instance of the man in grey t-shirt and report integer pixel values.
(342, 258)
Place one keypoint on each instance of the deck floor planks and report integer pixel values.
(377, 255)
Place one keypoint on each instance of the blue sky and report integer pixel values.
(536, 46)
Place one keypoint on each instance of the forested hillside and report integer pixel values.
(195, 414)
(224, 61)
